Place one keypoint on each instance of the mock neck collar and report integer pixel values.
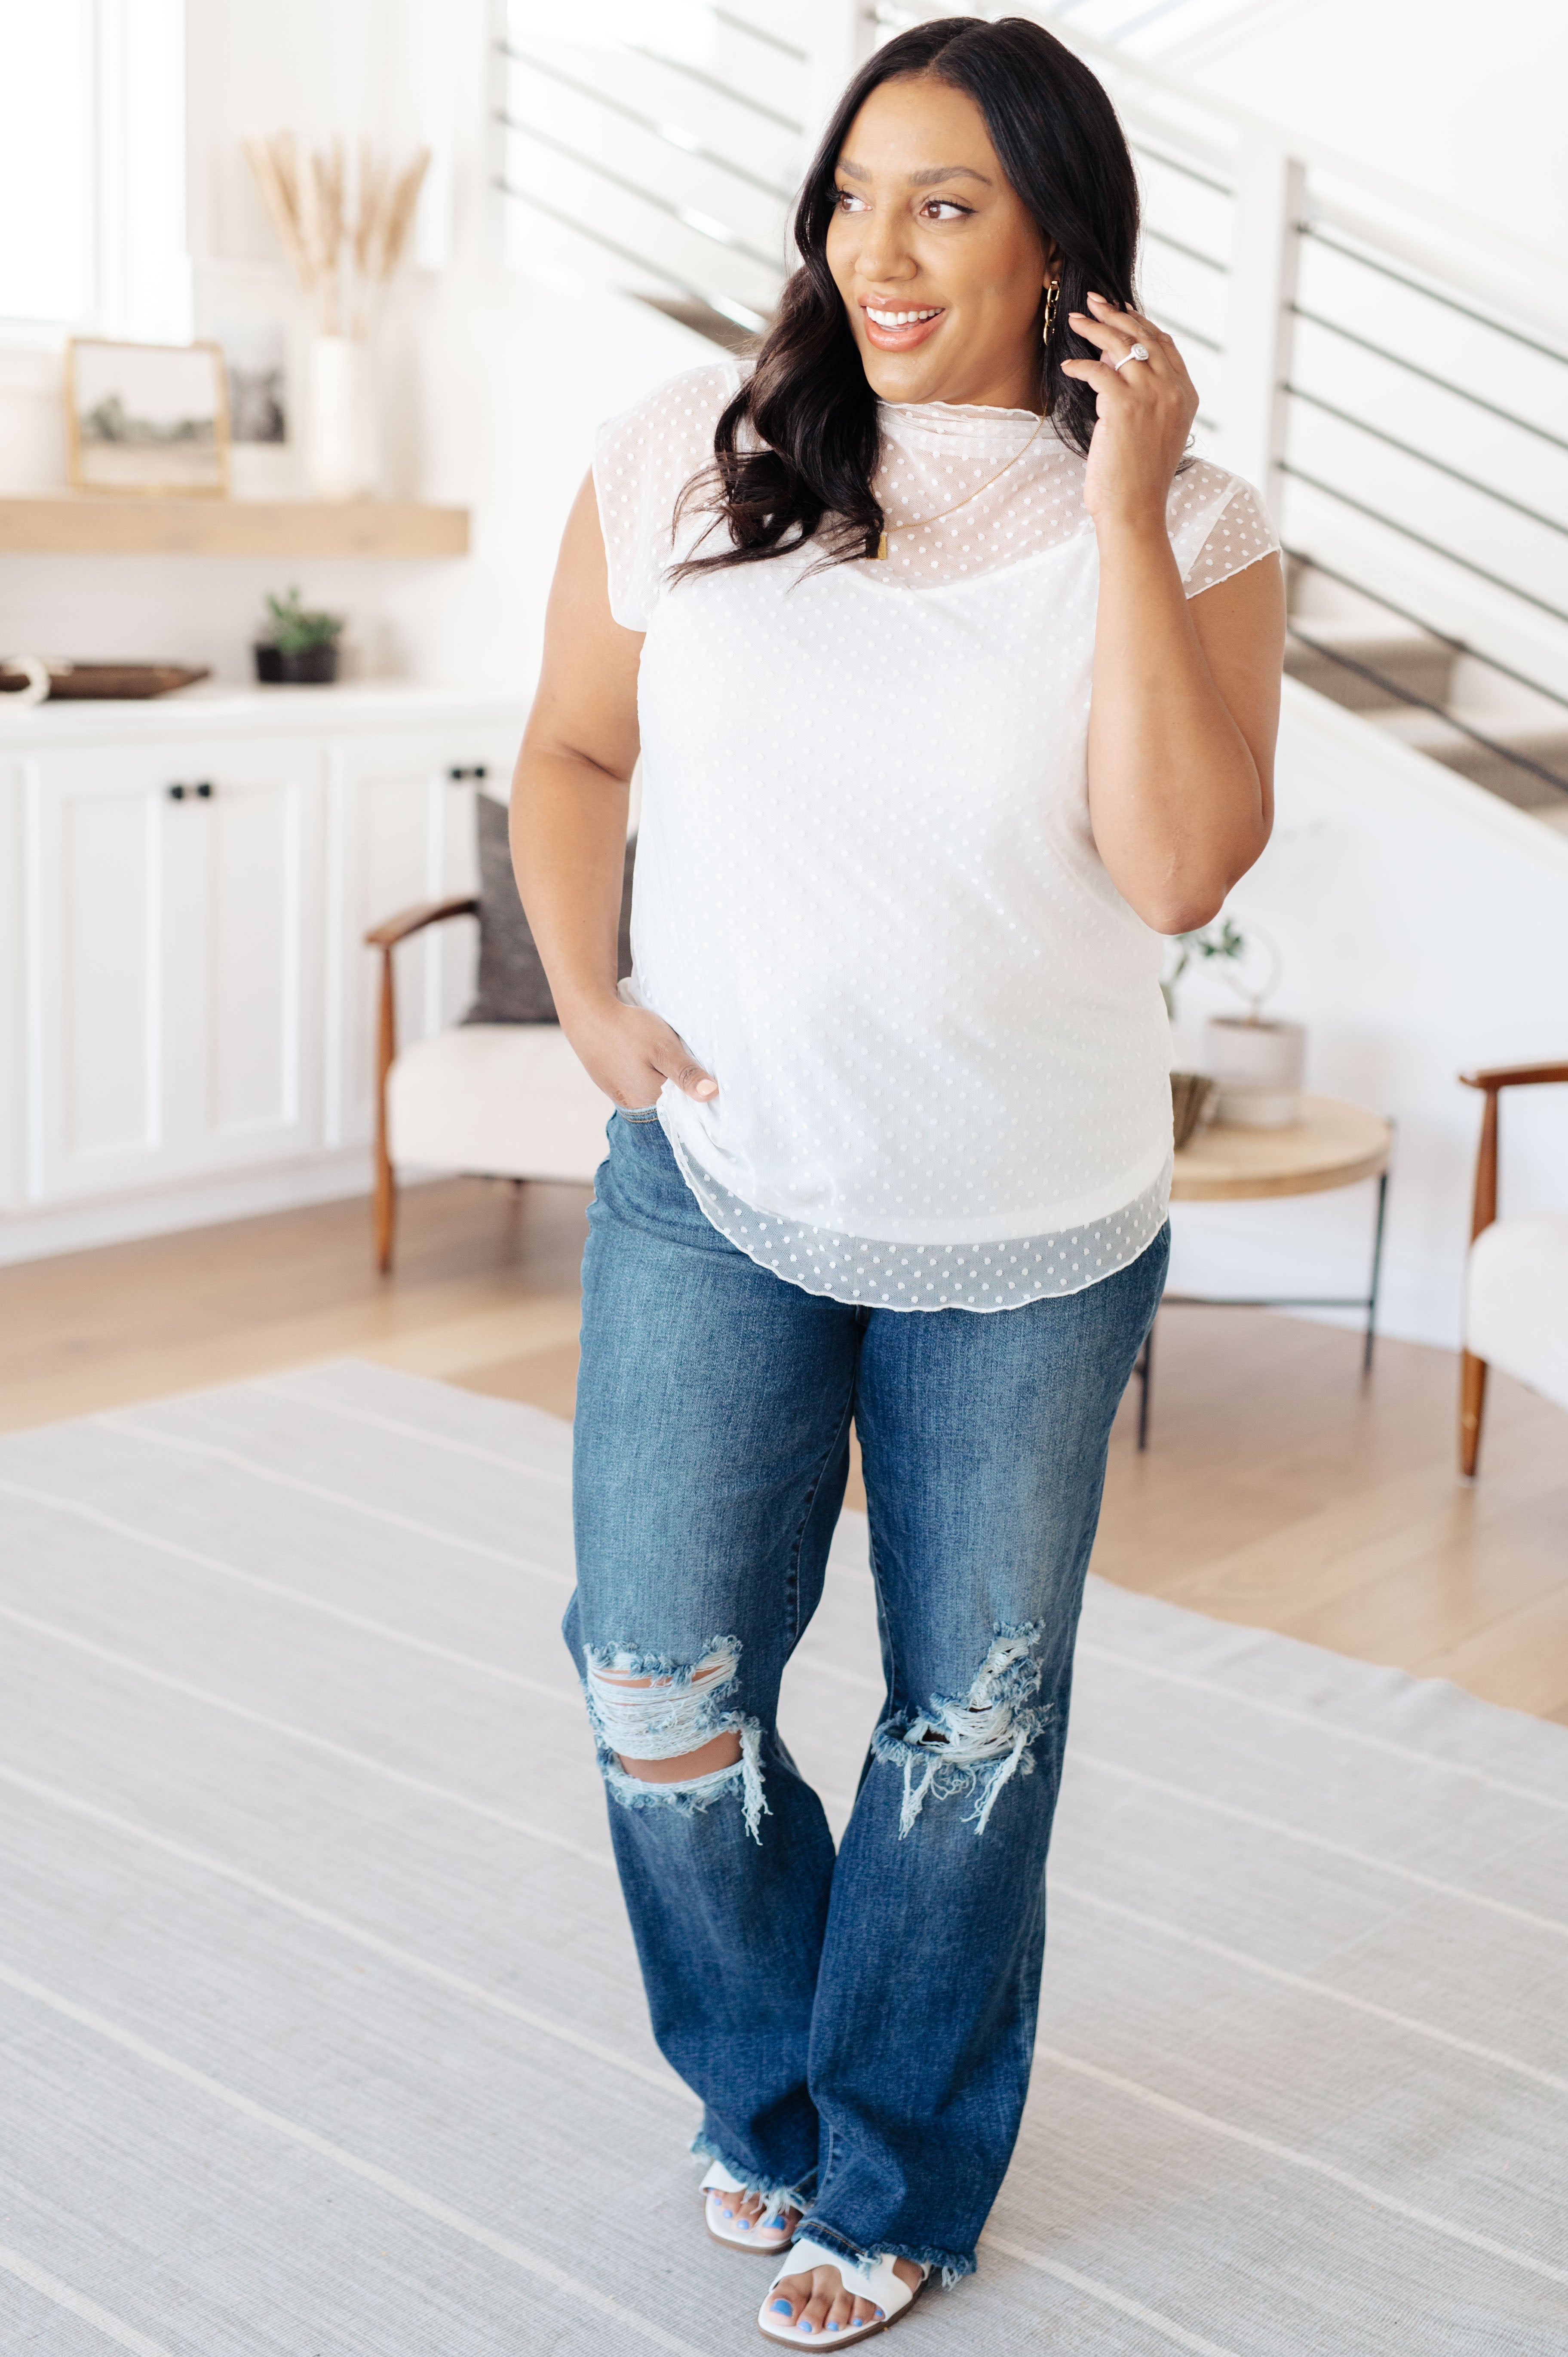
(958, 428)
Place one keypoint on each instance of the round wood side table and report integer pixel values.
(1333, 1145)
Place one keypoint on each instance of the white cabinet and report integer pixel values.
(177, 906)
(186, 1006)
(96, 975)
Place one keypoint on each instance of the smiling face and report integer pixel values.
(940, 267)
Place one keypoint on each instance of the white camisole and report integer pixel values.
(867, 895)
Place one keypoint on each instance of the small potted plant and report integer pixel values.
(1193, 1094)
(1255, 1065)
(1220, 940)
(298, 649)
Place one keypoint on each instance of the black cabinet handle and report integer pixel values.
(203, 792)
(471, 769)
(177, 793)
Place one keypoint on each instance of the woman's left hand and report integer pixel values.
(1145, 413)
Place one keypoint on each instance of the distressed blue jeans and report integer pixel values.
(858, 2026)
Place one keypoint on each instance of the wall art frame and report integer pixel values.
(146, 421)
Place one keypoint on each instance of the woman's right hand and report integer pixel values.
(629, 1054)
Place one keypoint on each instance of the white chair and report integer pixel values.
(492, 1099)
(1516, 1281)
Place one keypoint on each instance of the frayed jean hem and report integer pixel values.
(953, 2265)
(767, 2189)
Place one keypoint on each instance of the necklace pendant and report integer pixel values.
(882, 544)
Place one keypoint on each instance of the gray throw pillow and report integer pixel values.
(512, 985)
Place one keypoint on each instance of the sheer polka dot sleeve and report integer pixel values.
(643, 460)
(1219, 525)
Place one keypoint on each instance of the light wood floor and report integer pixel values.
(1277, 1491)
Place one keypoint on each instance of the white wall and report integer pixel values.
(1423, 926)
(1460, 108)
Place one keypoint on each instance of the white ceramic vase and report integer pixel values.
(342, 438)
(1259, 1066)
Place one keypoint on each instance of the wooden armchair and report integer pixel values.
(385, 938)
(496, 1099)
(1515, 1283)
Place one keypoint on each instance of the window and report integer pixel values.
(92, 170)
(47, 175)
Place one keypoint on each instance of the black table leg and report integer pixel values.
(1377, 1273)
(1144, 1367)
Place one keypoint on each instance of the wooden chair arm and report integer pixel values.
(1498, 1077)
(1514, 1076)
(386, 936)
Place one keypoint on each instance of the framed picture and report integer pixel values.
(146, 419)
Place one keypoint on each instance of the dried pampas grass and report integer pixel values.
(343, 231)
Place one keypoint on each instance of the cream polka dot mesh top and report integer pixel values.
(867, 895)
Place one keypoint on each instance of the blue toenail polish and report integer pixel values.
(879, 2318)
(746, 2225)
(782, 2307)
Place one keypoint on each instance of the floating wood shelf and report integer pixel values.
(80, 525)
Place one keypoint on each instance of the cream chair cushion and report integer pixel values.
(508, 1099)
(1516, 1301)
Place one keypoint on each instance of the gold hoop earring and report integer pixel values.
(1053, 288)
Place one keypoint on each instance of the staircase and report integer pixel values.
(656, 144)
(1434, 692)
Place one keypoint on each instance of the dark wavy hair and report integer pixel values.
(796, 450)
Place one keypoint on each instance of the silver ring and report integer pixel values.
(1138, 353)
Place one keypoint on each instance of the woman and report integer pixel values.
(938, 739)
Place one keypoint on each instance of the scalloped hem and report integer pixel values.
(866, 1274)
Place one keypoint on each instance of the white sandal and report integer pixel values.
(872, 2280)
(725, 2227)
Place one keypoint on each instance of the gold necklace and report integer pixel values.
(920, 523)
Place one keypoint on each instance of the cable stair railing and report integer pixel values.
(1394, 695)
(673, 135)
(697, 226)
(1519, 760)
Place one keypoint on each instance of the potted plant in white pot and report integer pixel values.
(1193, 1093)
(1256, 1063)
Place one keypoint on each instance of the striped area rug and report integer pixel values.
(322, 2034)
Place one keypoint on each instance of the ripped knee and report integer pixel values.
(668, 1732)
(638, 1705)
(970, 1748)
